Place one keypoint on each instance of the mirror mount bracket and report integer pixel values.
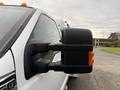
(44, 47)
(58, 66)
(70, 47)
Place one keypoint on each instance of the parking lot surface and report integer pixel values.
(105, 75)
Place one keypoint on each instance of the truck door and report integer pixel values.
(44, 29)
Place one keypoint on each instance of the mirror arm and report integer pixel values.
(70, 47)
(58, 66)
(45, 47)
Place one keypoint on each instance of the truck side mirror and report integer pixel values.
(76, 54)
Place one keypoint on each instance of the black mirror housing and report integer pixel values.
(76, 54)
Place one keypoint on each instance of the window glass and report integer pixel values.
(9, 16)
(46, 30)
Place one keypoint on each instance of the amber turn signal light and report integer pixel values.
(24, 3)
(91, 56)
(1, 3)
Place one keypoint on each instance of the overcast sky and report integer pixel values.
(100, 16)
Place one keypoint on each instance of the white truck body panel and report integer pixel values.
(18, 50)
(6, 64)
(47, 81)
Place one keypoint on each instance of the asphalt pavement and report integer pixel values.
(105, 75)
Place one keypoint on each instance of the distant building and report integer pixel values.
(114, 36)
(101, 42)
(112, 40)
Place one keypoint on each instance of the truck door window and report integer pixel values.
(45, 31)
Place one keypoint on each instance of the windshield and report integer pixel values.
(9, 16)
(13, 19)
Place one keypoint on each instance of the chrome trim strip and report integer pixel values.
(64, 83)
(6, 76)
(7, 83)
(4, 80)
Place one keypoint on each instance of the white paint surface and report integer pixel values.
(6, 64)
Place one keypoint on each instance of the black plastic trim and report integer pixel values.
(70, 69)
(70, 47)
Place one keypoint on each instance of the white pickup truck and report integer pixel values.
(35, 55)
